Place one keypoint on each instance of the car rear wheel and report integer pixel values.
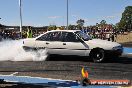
(98, 55)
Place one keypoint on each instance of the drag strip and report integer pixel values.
(69, 68)
(127, 50)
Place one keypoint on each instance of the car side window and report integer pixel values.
(54, 36)
(51, 36)
(43, 37)
(69, 37)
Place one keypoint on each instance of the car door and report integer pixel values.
(51, 41)
(72, 44)
(40, 42)
(54, 43)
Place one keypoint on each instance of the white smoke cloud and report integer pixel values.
(11, 50)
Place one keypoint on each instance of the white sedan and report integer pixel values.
(74, 42)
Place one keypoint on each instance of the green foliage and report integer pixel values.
(52, 27)
(71, 27)
(1, 25)
(126, 20)
(80, 23)
(103, 23)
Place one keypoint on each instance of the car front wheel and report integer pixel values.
(98, 55)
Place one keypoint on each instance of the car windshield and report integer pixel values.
(83, 35)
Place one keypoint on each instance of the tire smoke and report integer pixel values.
(11, 50)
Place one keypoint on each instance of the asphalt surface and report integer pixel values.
(127, 44)
(69, 68)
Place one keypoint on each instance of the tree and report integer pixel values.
(71, 27)
(0, 25)
(52, 27)
(103, 23)
(80, 23)
(126, 20)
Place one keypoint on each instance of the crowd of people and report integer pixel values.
(16, 34)
(12, 34)
(110, 36)
(105, 34)
(6, 34)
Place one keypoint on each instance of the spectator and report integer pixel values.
(29, 33)
(112, 37)
(108, 36)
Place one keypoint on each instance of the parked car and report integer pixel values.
(74, 42)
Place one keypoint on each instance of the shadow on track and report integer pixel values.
(24, 85)
(124, 59)
(41, 70)
(68, 58)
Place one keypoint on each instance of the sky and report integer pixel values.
(53, 12)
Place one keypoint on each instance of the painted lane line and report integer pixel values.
(38, 80)
(14, 73)
(16, 79)
(127, 50)
(129, 53)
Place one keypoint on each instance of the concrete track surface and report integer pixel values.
(69, 68)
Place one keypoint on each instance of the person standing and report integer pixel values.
(112, 37)
(29, 32)
(108, 36)
(0, 35)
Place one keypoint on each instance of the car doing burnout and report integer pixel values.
(73, 42)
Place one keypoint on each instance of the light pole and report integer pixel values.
(67, 13)
(20, 9)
